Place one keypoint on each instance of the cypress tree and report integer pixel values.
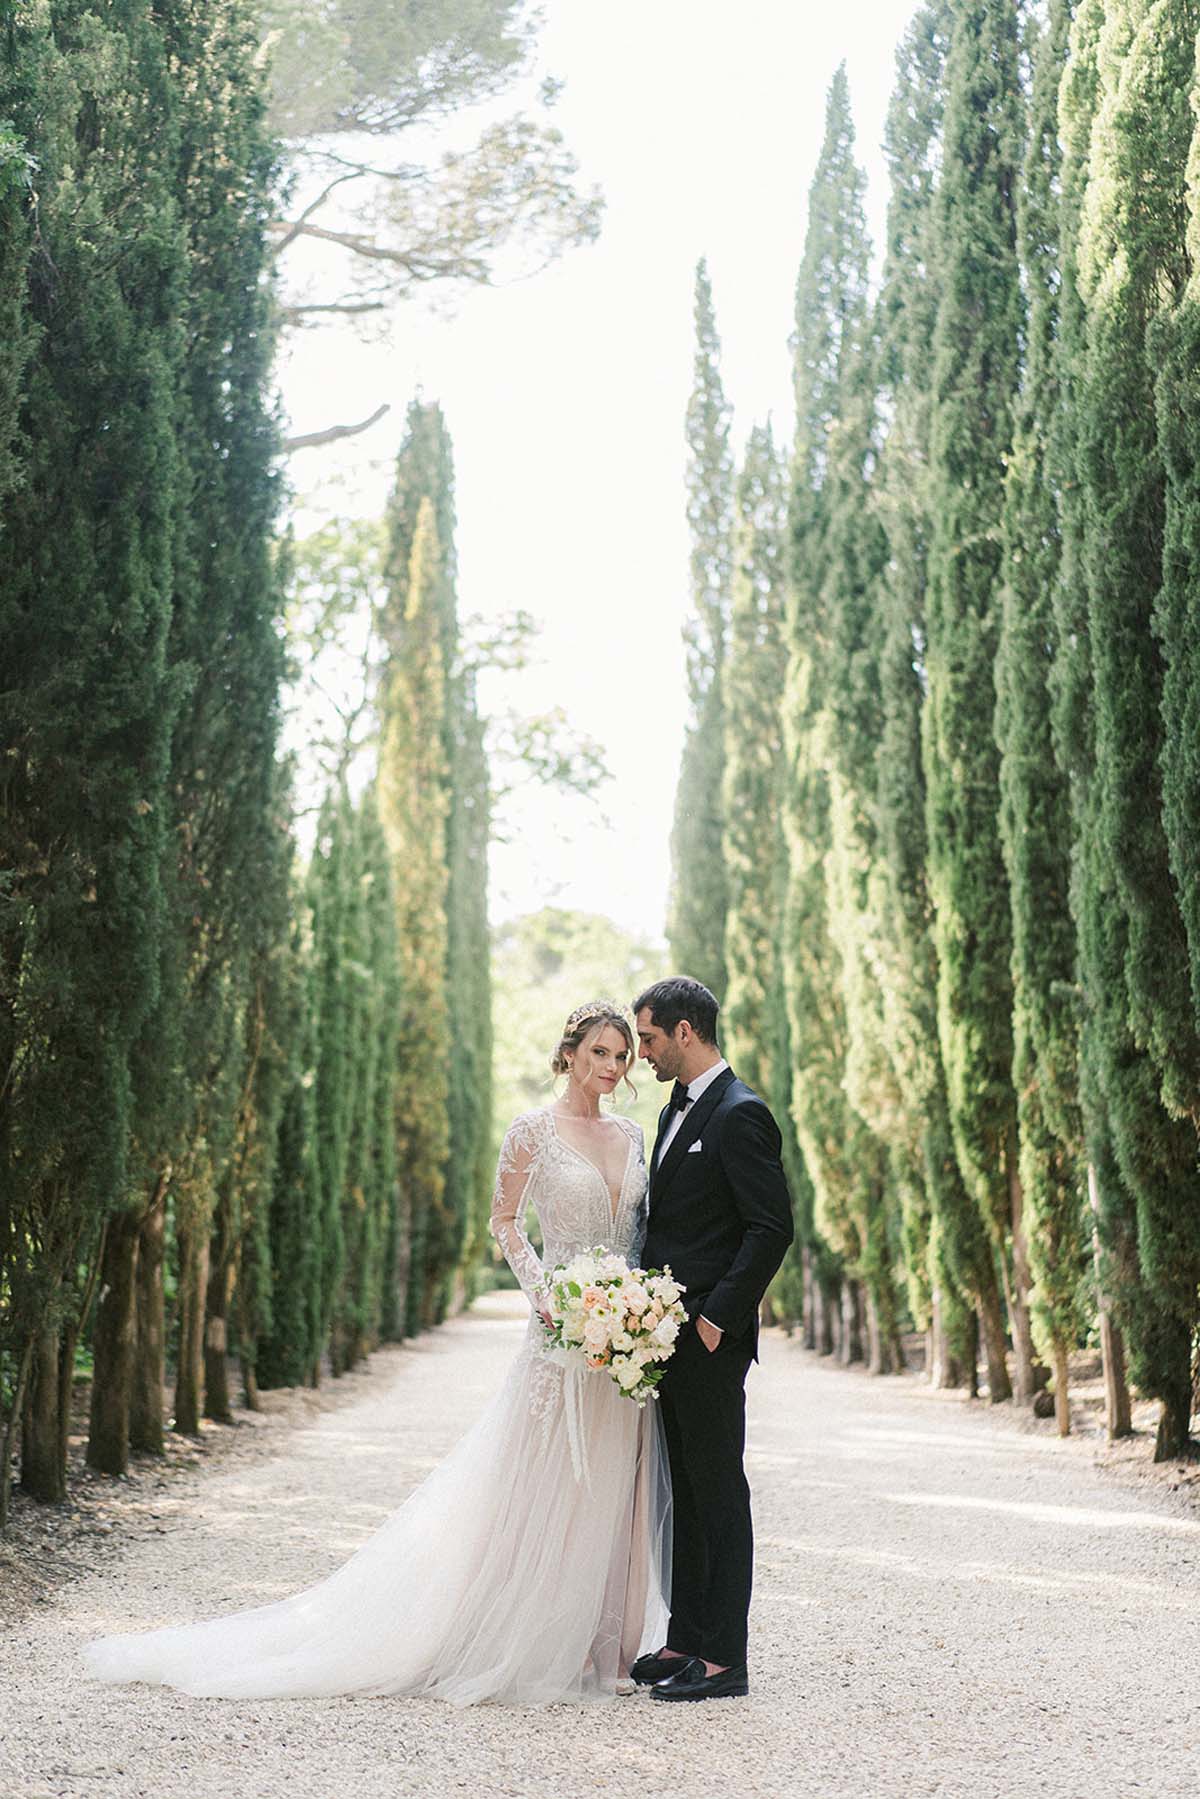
(974, 378)
(753, 760)
(240, 1276)
(379, 1287)
(413, 807)
(288, 1341)
(227, 606)
(84, 615)
(18, 331)
(754, 1016)
(330, 884)
(698, 899)
(352, 1307)
(1131, 267)
(844, 1159)
(1035, 823)
(470, 984)
(425, 469)
(947, 1253)
(1173, 343)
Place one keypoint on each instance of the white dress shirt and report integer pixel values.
(695, 1089)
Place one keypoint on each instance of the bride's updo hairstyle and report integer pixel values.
(583, 1024)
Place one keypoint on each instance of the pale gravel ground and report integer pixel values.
(948, 1604)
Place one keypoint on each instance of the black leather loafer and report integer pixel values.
(651, 1668)
(692, 1682)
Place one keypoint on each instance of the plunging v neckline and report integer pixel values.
(614, 1209)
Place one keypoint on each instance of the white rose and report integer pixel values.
(636, 1298)
(626, 1373)
(622, 1340)
(595, 1335)
(665, 1333)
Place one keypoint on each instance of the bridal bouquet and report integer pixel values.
(609, 1315)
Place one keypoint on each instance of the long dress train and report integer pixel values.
(529, 1566)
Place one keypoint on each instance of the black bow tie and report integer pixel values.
(679, 1099)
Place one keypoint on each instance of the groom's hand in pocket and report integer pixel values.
(710, 1334)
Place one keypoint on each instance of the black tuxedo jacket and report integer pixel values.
(721, 1214)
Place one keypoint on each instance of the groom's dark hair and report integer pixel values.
(677, 998)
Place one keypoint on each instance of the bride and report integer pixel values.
(531, 1565)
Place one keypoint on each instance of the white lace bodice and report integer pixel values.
(570, 1195)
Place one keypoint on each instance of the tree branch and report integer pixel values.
(421, 269)
(293, 313)
(332, 433)
(292, 232)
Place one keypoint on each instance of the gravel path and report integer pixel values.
(948, 1603)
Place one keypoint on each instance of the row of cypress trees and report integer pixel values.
(212, 1137)
(960, 673)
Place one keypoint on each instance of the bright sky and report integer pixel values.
(565, 394)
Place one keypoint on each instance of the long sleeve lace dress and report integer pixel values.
(509, 1573)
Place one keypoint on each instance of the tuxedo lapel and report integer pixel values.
(663, 1119)
(693, 1123)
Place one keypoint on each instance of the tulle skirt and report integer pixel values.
(532, 1565)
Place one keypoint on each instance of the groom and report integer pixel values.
(720, 1215)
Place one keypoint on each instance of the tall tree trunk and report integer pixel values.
(885, 1352)
(24, 1370)
(944, 1370)
(852, 1318)
(113, 1347)
(1118, 1417)
(808, 1312)
(250, 1397)
(216, 1325)
(991, 1325)
(1062, 1389)
(974, 1332)
(149, 1360)
(1030, 1374)
(193, 1281)
(43, 1469)
(875, 1353)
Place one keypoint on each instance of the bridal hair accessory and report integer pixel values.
(596, 1008)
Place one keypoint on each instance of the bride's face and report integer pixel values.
(601, 1061)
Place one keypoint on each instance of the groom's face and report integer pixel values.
(661, 1049)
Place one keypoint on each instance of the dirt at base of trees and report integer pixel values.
(46, 1546)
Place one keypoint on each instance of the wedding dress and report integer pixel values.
(531, 1565)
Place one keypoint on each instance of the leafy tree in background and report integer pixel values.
(697, 904)
(974, 378)
(1035, 822)
(359, 94)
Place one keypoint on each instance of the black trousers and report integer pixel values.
(703, 1399)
